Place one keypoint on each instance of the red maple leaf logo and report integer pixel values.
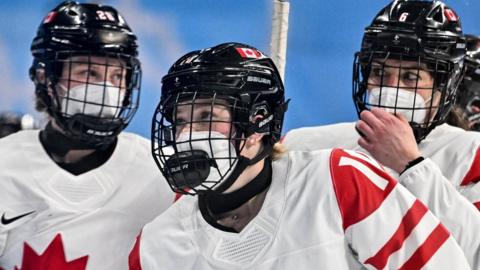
(52, 258)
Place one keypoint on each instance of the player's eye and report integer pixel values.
(117, 77)
(206, 116)
(378, 71)
(180, 121)
(85, 75)
(411, 76)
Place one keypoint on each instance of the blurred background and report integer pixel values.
(323, 36)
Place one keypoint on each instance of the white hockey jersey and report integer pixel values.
(51, 219)
(452, 164)
(324, 210)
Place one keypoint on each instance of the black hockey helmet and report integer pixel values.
(426, 33)
(89, 30)
(234, 75)
(469, 91)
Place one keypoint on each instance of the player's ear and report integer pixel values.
(40, 75)
(254, 139)
(37, 73)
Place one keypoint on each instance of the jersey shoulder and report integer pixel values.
(166, 237)
(470, 149)
(139, 143)
(19, 140)
(173, 224)
(357, 183)
(456, 152)
(361, 185)
(136, 163)
(321, 137)
(134, 149)
(19, 151)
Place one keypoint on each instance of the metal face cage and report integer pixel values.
(197, 138)
(93, 97)
(419, 88)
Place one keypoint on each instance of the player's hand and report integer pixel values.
(388, 138)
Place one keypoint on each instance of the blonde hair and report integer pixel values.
(278, 151)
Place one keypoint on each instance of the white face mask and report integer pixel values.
(93, 99)
(405, 102)
(217, 146)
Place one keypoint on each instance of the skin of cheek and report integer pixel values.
(248, 149)
(223, 128)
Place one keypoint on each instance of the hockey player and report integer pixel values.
(75, 194)
(214, 135)
(405, 80)
(469, 92)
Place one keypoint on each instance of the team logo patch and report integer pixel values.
(250, 53)
(52, 258)
(450, 14)
(5, 221)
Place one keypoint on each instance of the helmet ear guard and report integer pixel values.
(260, 119)
(269, 123)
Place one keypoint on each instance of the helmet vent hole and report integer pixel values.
(437, 15)
(72, 13)
(230, 82)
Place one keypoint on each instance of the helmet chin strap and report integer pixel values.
(59, 143)
(242, 164)
(96, 131)
(214, 203)
(219, 203)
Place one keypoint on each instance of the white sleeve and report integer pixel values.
(472, 193)
(426, 182)
(322, 137)
(385, 225)
(470, 181)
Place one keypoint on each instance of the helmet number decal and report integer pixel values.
(451, 16)
(105, 16)
(403, 17)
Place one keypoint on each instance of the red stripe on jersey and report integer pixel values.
(421, 256)
(357, 195)
(473, 174)
(177, 196)
(134, 257)
(409, 221)
(477, 204)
